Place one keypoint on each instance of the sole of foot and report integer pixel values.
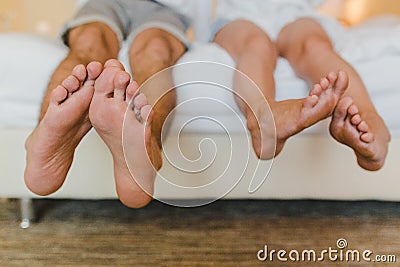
(51, 146)
(366, 135)
(114, 113)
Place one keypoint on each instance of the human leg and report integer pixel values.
(255, 55)
(310, 52)
(64, 116)
(151, 51)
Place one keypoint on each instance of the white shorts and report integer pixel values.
(273, 15)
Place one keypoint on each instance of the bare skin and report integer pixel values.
(293, 116)
(309, 51)
(48, 160)
(107, 110)
(257, 59)
(51, 146)
(348, 127)
(300, 42)
(50, 156)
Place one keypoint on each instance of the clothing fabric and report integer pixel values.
(127, 18)
(273, 15)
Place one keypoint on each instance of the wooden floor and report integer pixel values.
(226, 233)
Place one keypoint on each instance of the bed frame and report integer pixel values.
(310, 167)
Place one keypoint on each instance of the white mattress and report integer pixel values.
(28, 61)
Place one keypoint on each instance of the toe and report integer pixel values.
(80, 73)
(368, 137)
(332, 77)
(353, 110)
(356, 120)
(114, 63)
(140, 101)
(121, 81)
(342, 82)
(71, 84)
(58, 95)
(311, 101)
(94, 70)
(316, 90)
(324, 83)
(363, 127)
(105, 84)
(131, 91)
(342, 107)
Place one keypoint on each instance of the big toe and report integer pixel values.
(342, 108)
(113, 63)
(105, 83)
(342, 83)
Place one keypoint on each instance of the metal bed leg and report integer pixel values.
(27, 212)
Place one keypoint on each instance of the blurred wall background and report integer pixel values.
(352, 12)
(46, 17)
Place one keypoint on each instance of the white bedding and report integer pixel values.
(373, 49)
(27, 62)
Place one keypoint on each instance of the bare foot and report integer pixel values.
(107, 114)
(369, 140)
(51, 146)
(293, 116)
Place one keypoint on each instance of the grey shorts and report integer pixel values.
(127, 18)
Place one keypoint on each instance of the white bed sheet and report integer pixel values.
(27, 62)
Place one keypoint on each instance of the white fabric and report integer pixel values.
(185, 7)
(27, 61)
(385, 95)
(273, 15)
(199, 11)
(376, 38)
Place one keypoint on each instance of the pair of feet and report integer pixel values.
(98, 97)
(365, 132)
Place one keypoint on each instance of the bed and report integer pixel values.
(312, 165)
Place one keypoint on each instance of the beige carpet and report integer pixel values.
(226, 233)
